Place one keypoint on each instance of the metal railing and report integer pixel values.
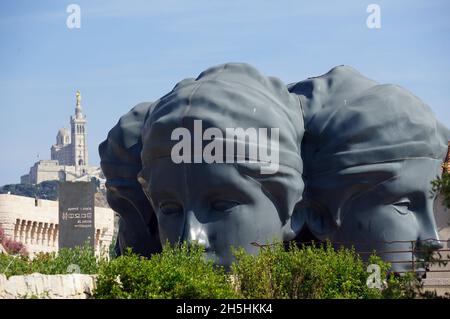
(428, 255)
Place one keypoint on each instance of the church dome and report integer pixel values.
(63, 132)
(63, 137)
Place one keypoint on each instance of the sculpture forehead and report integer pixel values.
(163, 171)
(222, 105)
(413, 179)
(228, 104)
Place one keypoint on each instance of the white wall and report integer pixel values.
(37, 226)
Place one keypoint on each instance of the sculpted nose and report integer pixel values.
(194, 230)
(428, 236)
(430, 244)
(429, 239)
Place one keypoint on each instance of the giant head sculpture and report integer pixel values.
(371, 152)
(220, 162)
(233, 157)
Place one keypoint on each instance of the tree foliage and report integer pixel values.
(45, 190)
(441, 185)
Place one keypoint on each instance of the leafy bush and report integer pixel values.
(317, 271)
(442, 185)
(181, 271)
(298, 272)
(82, 257)
(406, 286)
(52, 263)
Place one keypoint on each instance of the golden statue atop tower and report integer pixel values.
(78, 94)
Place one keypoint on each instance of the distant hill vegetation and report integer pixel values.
(45, 190)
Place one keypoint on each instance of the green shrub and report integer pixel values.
(441, 185)
(181, 271)
(52, 263)
(14, 265)
(407, 286)
(304, 272)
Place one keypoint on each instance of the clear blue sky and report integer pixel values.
(128, 52)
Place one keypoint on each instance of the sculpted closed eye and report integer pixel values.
(402, 206)
(223, 205)
(169, 208)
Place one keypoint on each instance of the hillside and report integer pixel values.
(46, 190)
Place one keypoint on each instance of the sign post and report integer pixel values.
(76, 214)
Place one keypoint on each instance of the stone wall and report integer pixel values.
(73, 286)
(35, 223)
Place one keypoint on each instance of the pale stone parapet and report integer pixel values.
(72, 286)
(35, 223)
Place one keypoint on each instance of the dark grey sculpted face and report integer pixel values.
(371, 152)
(354, 164)
(399, 209)
(234, 200)
(215, 205)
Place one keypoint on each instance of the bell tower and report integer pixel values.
(79, 137)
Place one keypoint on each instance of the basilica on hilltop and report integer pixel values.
(69, 156)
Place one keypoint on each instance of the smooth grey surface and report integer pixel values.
(76, 217)
(356, 161)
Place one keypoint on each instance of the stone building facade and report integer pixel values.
(62, 150)
(34, 222)
(69, 156)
